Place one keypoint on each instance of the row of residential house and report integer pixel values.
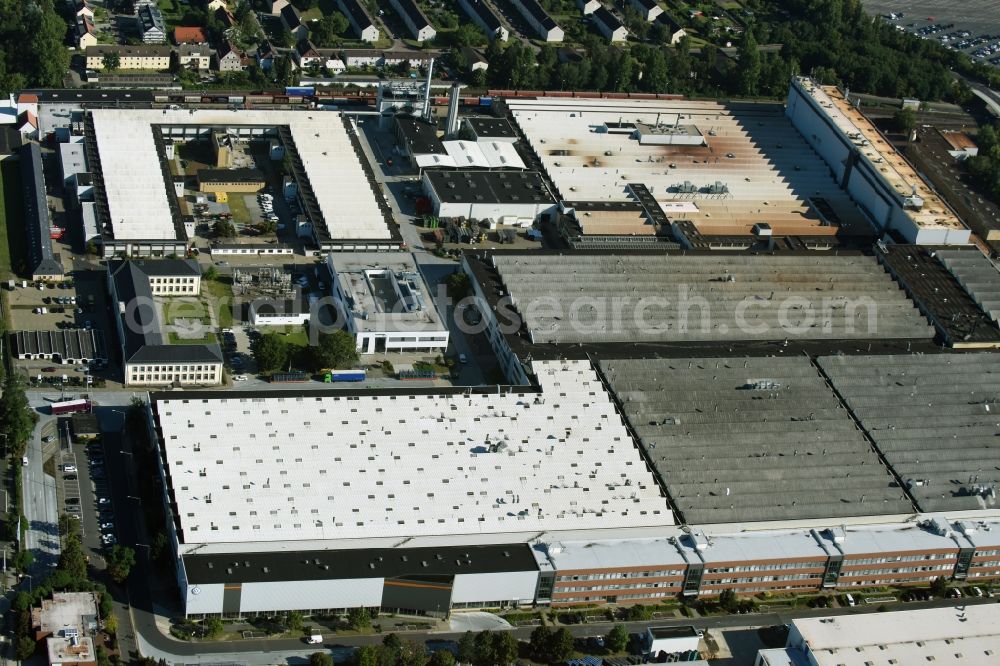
(229, 58)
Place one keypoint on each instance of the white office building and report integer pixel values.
(385, 303)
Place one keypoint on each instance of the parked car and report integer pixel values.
(70, 477)
(69, 468)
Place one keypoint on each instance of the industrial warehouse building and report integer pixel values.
(882, 183)
(72, 347)
(43, 262)
(385, 303)
(137, 289)
(604, 300)
(488, 194)
(966, 635)
(734, 176)
(268, 511)
(137, 209)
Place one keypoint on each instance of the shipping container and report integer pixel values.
(300, 91)
(192, 99)
(70, 406)
(345, 376)
(485, 101)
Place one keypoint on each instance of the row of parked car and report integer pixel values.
(102, 493)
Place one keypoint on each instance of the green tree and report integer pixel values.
(359, 619)
(540, 643)
(271, 352)
(320, 659)
(328, 30)
(504, 647)
(367, 655)
(282, 70)
(25, 647)
(939, 586)
(111, 61)
(412, 653)
(485, 650)
(16, 415)
(293, 620)
(728, 600)
(111, 624)
(212, 628)
(120, 562)
(561, 645)
(286, 38)
(392, 643)
(750, 64)
(442, 658)
(458, 286)
(224, 229)
(905, 120)
(72, 560)
(617, 638)
(336, 350)
(467, 648)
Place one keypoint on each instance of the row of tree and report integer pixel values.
(833, 40)
(332, 350)
(985, 167)
(486, 648)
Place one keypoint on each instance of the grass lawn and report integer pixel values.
(293, 335)
(238, 208)
(12, 241)
(174, 309)
(312, 13)
(177, 340)
(219, 293)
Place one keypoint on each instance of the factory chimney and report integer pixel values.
(451, 127)
(427, 92)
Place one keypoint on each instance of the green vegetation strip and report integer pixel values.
(11, 211)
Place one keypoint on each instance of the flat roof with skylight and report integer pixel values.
(281, 467)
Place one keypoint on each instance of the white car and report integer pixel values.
(239, 378)
(69, 468)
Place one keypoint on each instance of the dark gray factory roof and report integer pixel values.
(745, 297)
(36, 213)
(71, 344)
(751, 439)
(420, 136)
(521, 187)
(247, 175)
(486, 127)
(961, 322)
(357, 563)
(934, 418)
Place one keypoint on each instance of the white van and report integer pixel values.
(315, 639)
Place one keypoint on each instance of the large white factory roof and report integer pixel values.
(894, 169)
(764, 169)
(343, 465)
(136, 192)
(967, 635)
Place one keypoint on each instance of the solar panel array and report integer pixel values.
(299, 467)
(977, 275)
(663, 298)
(936, 419)
(751, 439)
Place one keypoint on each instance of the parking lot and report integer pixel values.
(969, 26)
(83, 489)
